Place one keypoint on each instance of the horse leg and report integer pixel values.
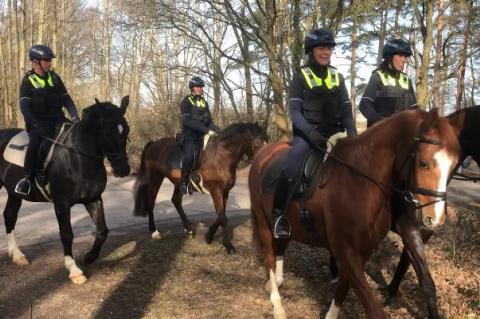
(352, 267)
(62, 212)
(96, 212)
(177, 202)
(220, 200)
(413, 241)
(403, 265)
(10, 214)
(333, 269)
(274, 265)
(152, 190)
(340, 295)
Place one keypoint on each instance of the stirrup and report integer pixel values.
(185, 189)
(19, 188)
(282, 231)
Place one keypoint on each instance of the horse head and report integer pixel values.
(429, 162)
(243, 138)
(108, 121)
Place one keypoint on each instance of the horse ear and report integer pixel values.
(97, 101)
(124, 103)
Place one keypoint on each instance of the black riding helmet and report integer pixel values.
(196, 81)
(40, 51)
(396, 46)
(318, 38)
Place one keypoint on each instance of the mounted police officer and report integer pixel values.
(389, 90)
(42, 97)
(196, 123)
(319, 107)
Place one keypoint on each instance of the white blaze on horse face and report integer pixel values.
(444, 163)
(333, 311)
(120, 129)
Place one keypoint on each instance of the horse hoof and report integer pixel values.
(208, 238)
(21, 261)
(156, 235)
(279, 314)
(78, 279)
(190, 233)
(230, 249)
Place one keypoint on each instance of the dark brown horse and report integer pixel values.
(218, 165)
(412, 150)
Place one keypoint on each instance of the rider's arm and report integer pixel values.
(67, 99)
(368, 99)
(346, 105)
(188, 121)
(295, 105)
(26, 102)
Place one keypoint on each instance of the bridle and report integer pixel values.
(409, 191)
(111, 156)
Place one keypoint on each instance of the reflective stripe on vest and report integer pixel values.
(38, 82)
(388, 80)
(198, 103)
(314, 81)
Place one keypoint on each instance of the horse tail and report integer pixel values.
(140, 189)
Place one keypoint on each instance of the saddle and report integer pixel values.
(16, 150)
(311, 169)
(174, 161)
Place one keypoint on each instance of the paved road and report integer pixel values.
(37, 221)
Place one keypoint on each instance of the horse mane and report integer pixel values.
(103, 110)
(234, 129)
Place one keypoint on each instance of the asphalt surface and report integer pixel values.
(37, 222)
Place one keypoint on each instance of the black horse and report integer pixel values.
(76, 174)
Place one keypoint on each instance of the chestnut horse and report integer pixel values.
(413, 151)
(217, 167)
(415, 233)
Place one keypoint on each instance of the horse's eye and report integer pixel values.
(424, 165)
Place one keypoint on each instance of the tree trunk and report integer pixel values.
(437, 70)
(353, 72)
(462, 63)
(106, 47)
(426, 26)
(382, 33)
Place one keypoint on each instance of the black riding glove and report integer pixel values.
(316, 138)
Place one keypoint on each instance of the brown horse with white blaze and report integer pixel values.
(412, 152)
(217, 166)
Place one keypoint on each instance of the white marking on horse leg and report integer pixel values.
(444, 163)
(279, 270)
(156, 235)
(13, 250)
(278, 311)
(72, 267)
(333, 311)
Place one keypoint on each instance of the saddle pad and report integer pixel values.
(16, 149)
(174, 159)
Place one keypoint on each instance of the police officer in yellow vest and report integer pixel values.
(389, 89)
(319, 106)
(42, 97)
(196, 122)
